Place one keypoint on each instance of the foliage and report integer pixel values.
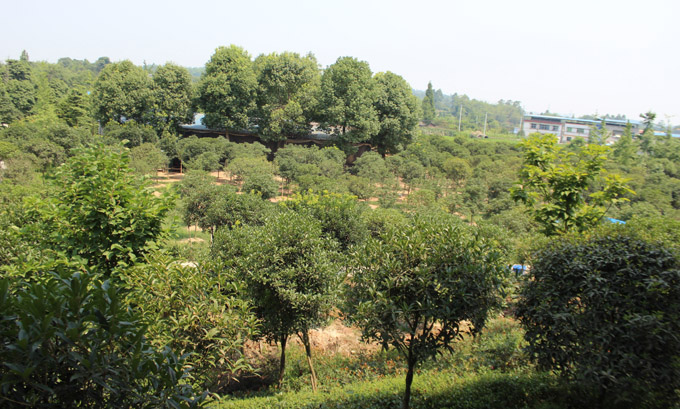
(604, 310)
(414, 285)
(397, 110)
(131, 133)
(288, 85)
(147, 158)
(428, 105)
(227, 89)
(290, 274)
(195, 309)
(173, 97)
(122, 91)
(339, 214)
(554, 185)
(346, 102)
(262, 184)
(98, 210)
(69, 341)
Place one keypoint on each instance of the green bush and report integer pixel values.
(605, 310)
(195, 309)
(69, 341)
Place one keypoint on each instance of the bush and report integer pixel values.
(68, 341)
(194, 309)
(605, 310)
(261, 183)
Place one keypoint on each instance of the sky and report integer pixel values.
(572, 57)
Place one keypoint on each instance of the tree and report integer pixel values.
(73, 107)
(290, 275)
(173, 97)
(21, 87)
(605, 310)
(346, 103)
(428, 105)
(414, 284)
(398, 113)
(598, 133)
(122, 91)
(227, 89)
(554, 185)
(288, 87)
(147, 158)
(99, 211)
(625, 149)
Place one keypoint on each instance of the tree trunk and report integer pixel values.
(308, 351)
(409, 379)
(282, 362)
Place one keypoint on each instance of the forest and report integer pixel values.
(442, 267)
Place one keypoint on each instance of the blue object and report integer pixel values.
(616, 221)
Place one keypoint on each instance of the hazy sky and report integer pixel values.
(572, 57)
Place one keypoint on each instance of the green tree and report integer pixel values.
(99, 210)
(122, 91)
(288, 87)
(605, 310)
(173, 97)
(554, 185)
(429, 112)
(398, 113)
(20, 86)
(73, 108)
(413, 286)
(346, 102)
(227, 90)
(147, 158)
(625, 149)
(290, 275)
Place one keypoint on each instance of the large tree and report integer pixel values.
(398, 113)
(174, 91)
(122, 91)
(227, 90)
(288, 86)
(347, 95)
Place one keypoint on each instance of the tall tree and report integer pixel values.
(122, 91)
(288, 87)
(227, 90)
(347, 100)
(397, 110)
(428, 105)
(625, 149)
(173, 96)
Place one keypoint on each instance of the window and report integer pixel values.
(570, 129)
(533, 126)
(581, 130)
(544, 127)
(568, 138)
(555, 127)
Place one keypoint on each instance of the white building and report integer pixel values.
(567, 129)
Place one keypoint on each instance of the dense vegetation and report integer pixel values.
(123, 285)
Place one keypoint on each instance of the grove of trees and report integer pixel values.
(125, 286)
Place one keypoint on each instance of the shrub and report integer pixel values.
(68, 341)
(605, 310)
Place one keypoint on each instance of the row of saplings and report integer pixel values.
(84, 316)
